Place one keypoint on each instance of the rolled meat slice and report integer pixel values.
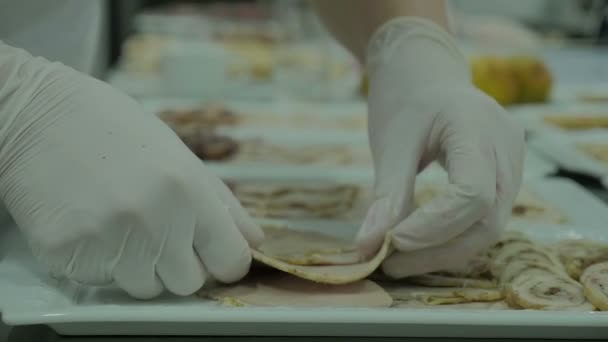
(507, 238)
(595, 283)
(522, 251)
(576, 255)
(541, 289)
(288, 200)
(517, 267)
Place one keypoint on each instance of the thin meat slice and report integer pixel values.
(328, 274)
(416, 304)
(441, 296)
(438, 280)
(308, 248)
(283, 290)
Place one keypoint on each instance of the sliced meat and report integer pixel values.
(417, 304)
(283, 290)
(437, 280)
(330, 274)
(308, 248)
(280, 200)
(441, 296)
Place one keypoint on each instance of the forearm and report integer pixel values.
(353, 22)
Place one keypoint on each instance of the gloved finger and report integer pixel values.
(375, 226)
(135, 271)
(250, 230)
(89, 263)
(507, 189)
(454, 254)
(178, 267)
(394, 200)
(182, 273)
(68, 254)
(470, 196)
(218, 242)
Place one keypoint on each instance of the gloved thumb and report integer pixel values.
(389, 208)
(250, 230)
(375, 226)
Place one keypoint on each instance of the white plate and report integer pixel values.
(29, 296)
(573, 92)
(254, 172)
(537, 166)
(277, 106)
(581, 208)
(532, 116)
(562, 149)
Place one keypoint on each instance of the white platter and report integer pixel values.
(532, 116)
(29, 296)
(580, 207)
(277, 106)
(562, 149)
(537, 166)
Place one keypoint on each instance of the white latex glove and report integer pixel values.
(423, 107)
(105, 192)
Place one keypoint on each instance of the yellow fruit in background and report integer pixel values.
(534, 78)
(495, 77)
(509, 80)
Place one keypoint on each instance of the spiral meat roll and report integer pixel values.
(522, 251)
(542, 288)
(533, 277)
(595, 284)
(577, 255)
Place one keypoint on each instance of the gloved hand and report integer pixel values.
(423, 107)
(105, 192)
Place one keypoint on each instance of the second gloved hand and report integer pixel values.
(106, 193)
(423, 107)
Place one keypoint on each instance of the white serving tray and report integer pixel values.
(562, 149)
(580, 207)
(29, 296)
(532, 116)
(537, 166)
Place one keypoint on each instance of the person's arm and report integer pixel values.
(353, 22)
